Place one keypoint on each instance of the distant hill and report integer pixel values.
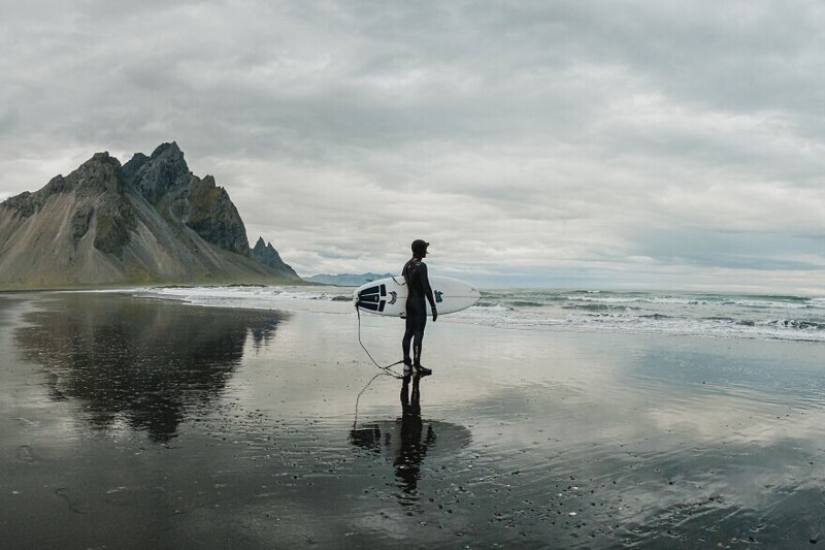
(148, 221)
(346, 279)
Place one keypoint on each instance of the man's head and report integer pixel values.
(419, 248)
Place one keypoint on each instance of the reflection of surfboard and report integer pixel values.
(389, 437)
(389, 296)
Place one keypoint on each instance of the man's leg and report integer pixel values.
(409, 332)
(418, 340)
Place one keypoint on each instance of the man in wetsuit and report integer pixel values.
(418, 288)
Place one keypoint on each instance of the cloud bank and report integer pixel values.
(609, 144)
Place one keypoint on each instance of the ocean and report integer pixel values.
(723, 315)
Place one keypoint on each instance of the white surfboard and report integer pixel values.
(389, 296)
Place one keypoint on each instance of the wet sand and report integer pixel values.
(133, 423)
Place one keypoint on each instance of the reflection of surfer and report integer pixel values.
(407, 440)
(413, 448)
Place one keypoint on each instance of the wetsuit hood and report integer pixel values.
(419, 248)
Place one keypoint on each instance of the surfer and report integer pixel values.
(418, 288)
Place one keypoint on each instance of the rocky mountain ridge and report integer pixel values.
(149, 221)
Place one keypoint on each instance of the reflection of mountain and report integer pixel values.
(139, 361)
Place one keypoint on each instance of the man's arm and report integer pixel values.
(428, 292)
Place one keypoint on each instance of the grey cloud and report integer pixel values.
(9, 120)
(544, 132)
(737, 250)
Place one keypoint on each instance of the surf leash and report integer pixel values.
(388, 369)
(358, 399)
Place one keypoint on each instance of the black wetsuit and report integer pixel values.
(418, 289)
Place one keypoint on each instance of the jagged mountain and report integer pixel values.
(148, 221)
(267, 255)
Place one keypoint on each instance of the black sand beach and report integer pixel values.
(134, 423)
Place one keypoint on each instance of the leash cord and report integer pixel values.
(386, 369)
(358, 399)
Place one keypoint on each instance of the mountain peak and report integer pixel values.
(170, 149)
(153, 177)
(268, 256)
(100, 174)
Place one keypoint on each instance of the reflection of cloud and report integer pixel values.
(749, 419)
(141, 362)
(685, 436)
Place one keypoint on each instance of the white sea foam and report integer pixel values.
(721, 315)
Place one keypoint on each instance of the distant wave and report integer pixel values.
(655, 316)
(803, 324)
(527, 303)
(596, 307)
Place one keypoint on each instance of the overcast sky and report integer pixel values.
(557, 143)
